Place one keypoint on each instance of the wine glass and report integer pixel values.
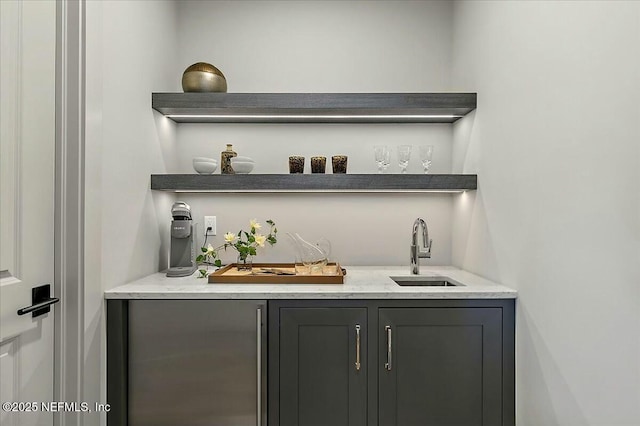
(426, 154)
(383, 157)
(404, 153)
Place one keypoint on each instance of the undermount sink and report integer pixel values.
(433, 281)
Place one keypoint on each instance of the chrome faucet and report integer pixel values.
(417, 252)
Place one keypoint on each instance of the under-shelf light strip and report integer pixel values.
(314, 116)
(414, 191)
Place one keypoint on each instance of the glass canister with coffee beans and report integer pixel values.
(339, 163)
(296, 164)
(318, 164)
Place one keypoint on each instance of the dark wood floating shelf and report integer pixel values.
(314, 183)
(314, 107)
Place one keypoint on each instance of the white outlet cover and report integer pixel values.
(210, 221)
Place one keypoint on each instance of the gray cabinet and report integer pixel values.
(434, 362)
(442, 366)
(321, 369)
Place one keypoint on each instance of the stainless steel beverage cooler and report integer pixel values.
(197, 363)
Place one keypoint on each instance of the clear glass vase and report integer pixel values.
(300, 267)
(313, 256)
(245, 264)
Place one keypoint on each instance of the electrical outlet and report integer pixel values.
(210, 221)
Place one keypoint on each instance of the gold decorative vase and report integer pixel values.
(203, 77)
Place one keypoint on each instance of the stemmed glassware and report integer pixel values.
(426, 154)
(383, 157)
(404, 154)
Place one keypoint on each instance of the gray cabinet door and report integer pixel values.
(320, 384)
(195, 363)
(445, 366)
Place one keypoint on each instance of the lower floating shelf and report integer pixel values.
(314, 183)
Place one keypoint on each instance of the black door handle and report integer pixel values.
(41, 301)
(37, 306)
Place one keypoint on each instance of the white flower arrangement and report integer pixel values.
(245, 243)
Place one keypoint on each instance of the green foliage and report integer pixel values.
(245, 243)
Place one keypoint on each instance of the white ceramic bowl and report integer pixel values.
(242, 159)
(242, 167)
(205, 166)
(204, 160)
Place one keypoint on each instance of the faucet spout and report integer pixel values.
(417, 252)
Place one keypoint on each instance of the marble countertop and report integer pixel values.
(361, 282)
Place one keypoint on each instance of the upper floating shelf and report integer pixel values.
(314, 183)
(314, 107)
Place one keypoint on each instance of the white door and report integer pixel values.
(27, 144)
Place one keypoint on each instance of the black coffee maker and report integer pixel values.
(182, 258)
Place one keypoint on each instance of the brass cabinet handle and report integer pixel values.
(387, 364)
(357, 347)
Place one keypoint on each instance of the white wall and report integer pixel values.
(556, 145)
(554, 141)
(137, 47)
(130, 50)
(318, 46)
